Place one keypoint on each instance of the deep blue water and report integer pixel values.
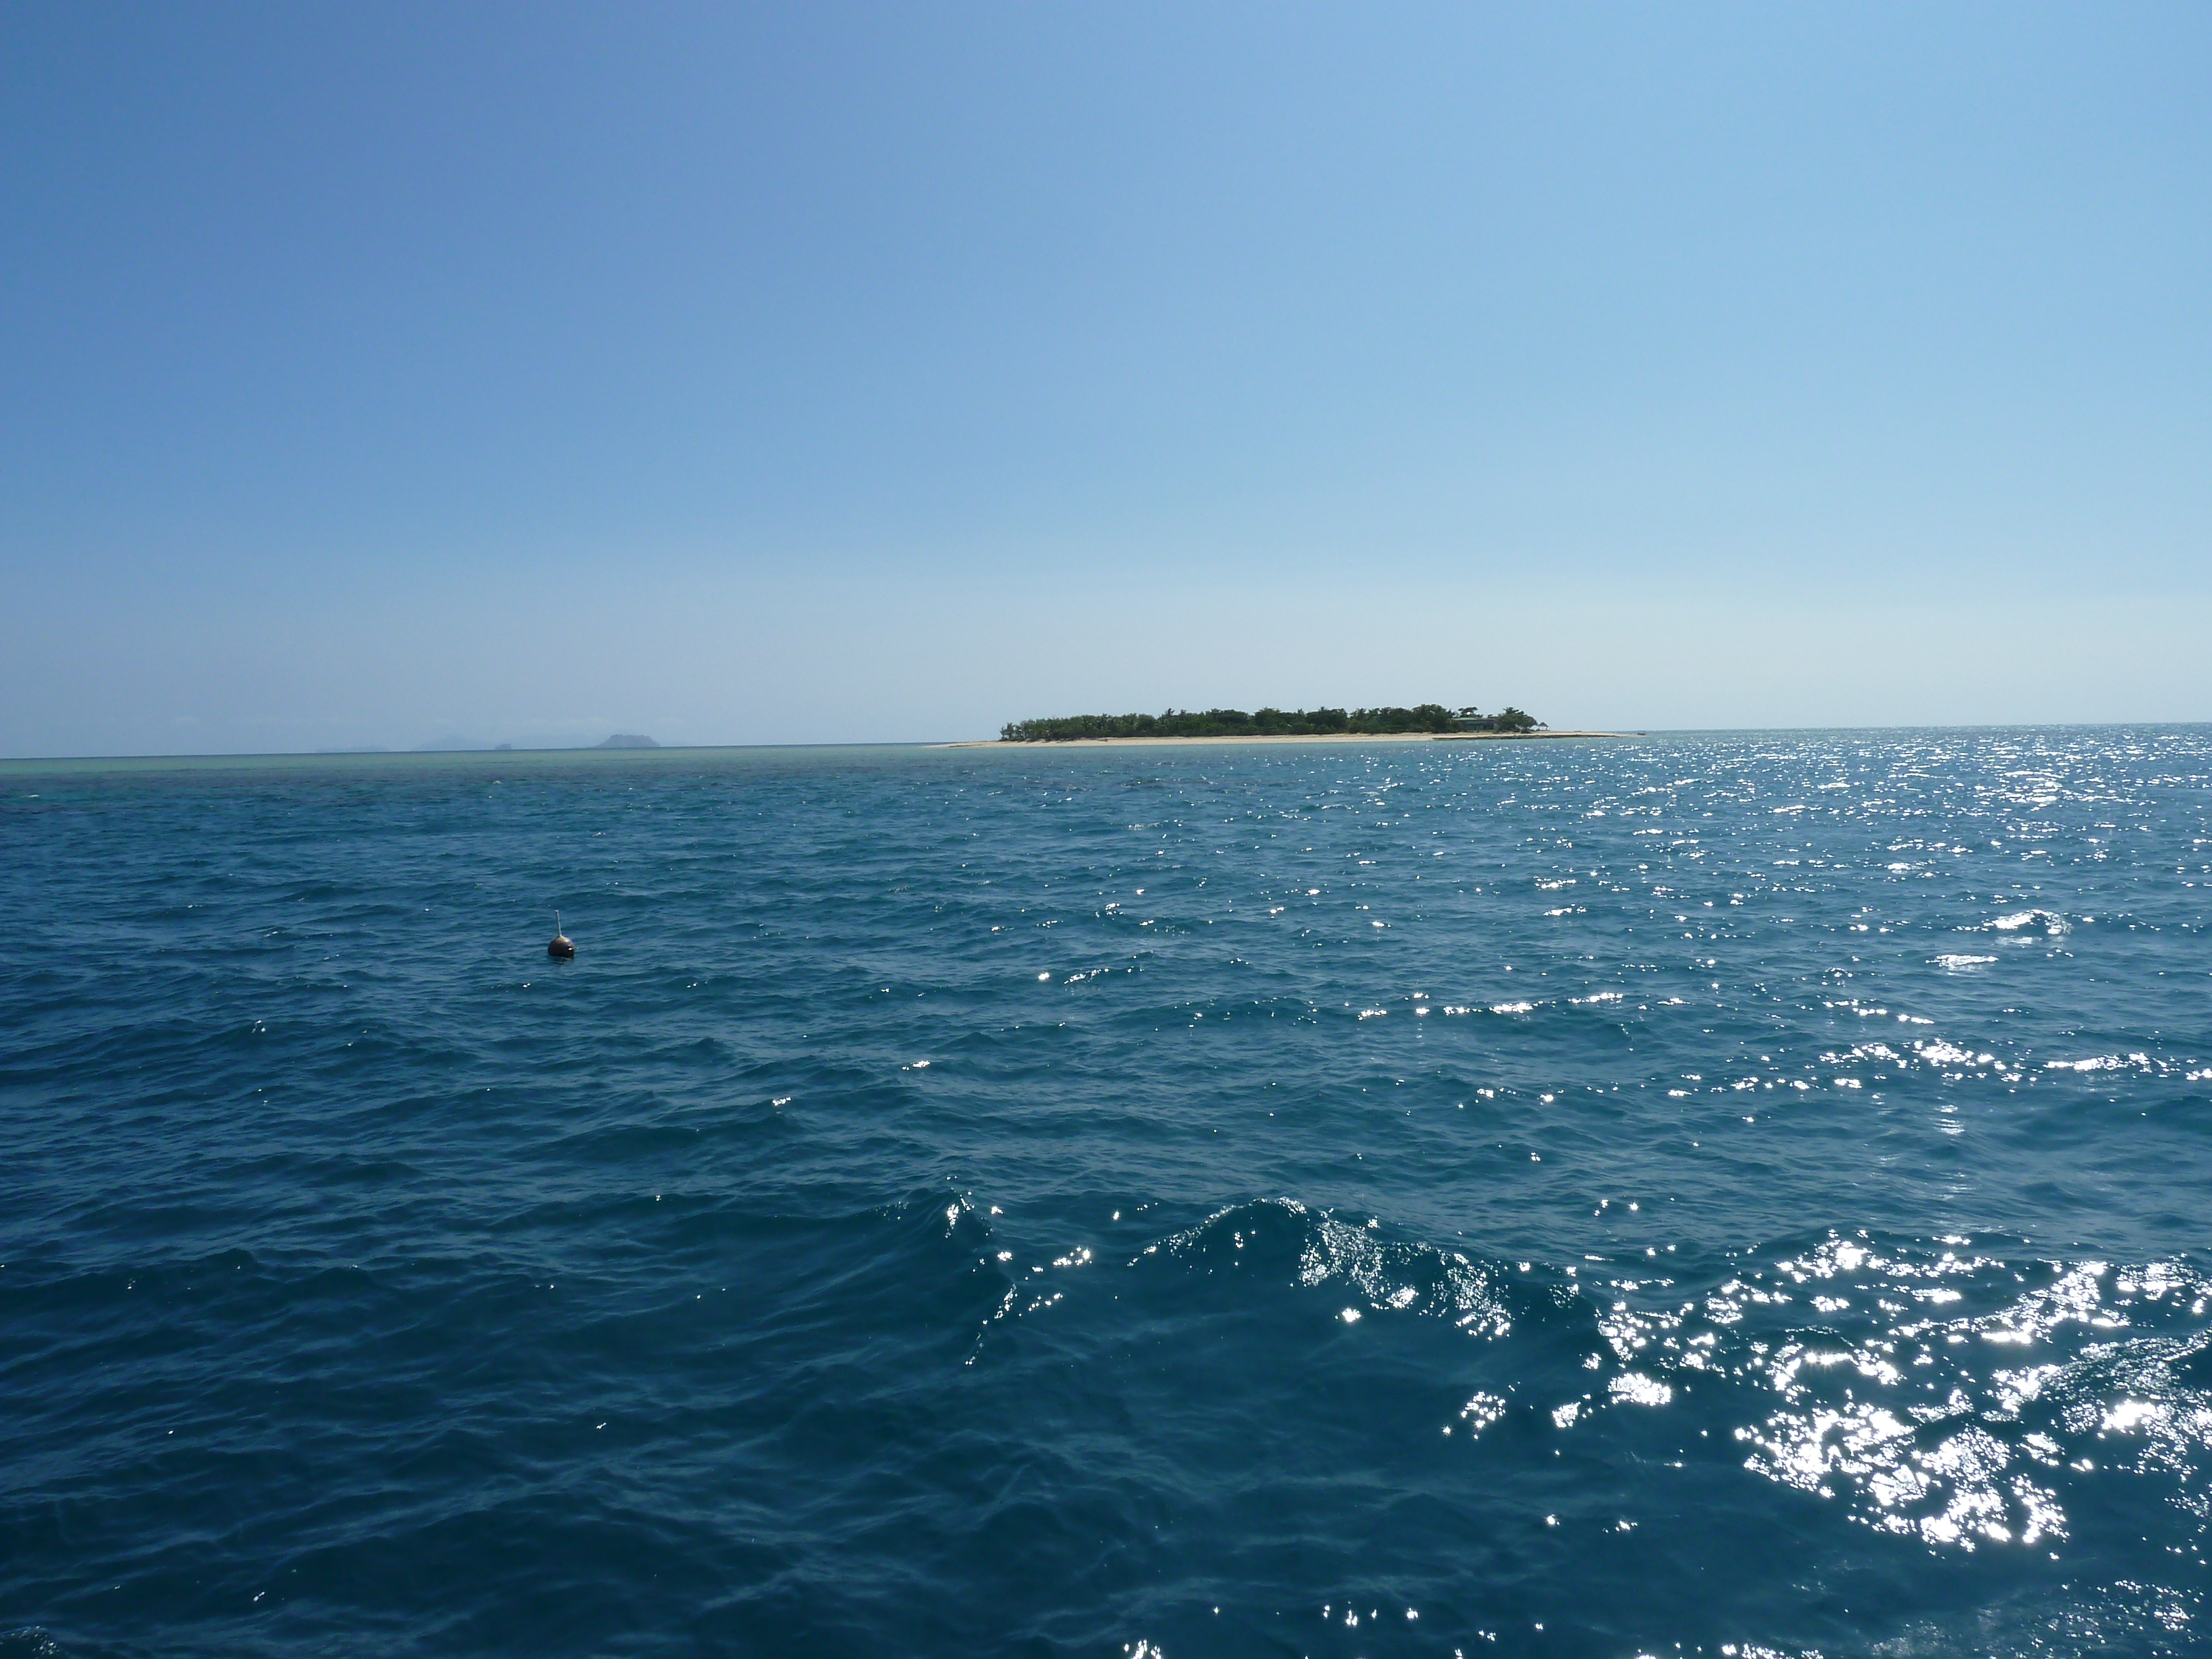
(1551, 1199)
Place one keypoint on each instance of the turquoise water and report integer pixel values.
(1738, 1193)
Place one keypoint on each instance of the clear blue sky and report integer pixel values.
(380, 374)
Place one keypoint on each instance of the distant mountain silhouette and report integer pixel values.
(627, 740)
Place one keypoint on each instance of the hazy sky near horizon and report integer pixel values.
(827, 372)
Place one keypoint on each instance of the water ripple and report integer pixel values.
(1738, 1192)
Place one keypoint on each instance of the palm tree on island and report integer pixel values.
(1430, 717)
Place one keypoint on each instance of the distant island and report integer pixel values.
(1430, 717)
(478, 747)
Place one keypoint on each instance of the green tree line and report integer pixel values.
(1265, 723)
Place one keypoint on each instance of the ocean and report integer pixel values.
(1738, 1193)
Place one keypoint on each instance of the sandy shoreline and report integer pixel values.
(1325, 737)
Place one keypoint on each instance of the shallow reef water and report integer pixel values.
(1738, 1193)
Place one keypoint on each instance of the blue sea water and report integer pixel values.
(1737, 1194)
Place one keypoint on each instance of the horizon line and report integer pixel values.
(626, 751)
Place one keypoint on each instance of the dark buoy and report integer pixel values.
(563, 947)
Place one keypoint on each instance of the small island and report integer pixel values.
(1432, 718)
(627, 740)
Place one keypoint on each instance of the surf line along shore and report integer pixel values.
(1320, 736)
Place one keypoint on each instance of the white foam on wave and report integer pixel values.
(2050, 921)
(2134, 1062)
(1390, 1278)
